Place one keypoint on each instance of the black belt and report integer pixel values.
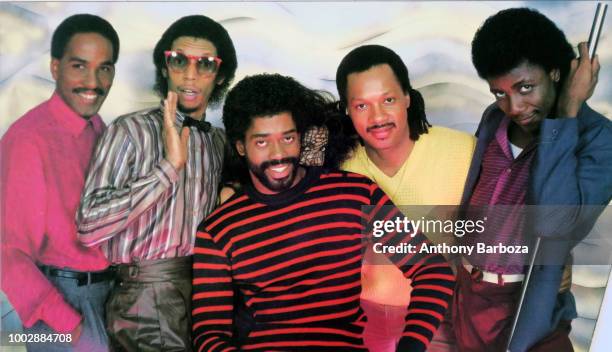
(82, 277)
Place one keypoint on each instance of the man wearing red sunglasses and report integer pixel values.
(154, 177)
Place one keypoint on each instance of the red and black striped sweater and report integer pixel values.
(296, 258)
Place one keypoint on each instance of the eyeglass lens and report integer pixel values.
(204, 64)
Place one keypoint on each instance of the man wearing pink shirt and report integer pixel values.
(57, 285)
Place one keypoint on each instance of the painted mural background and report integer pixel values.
(305, 40)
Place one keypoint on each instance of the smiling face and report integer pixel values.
(526, 94)
(378, 107)
(272, 149)
(193, 88)
(84, 74)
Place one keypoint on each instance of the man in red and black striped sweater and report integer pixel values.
(291, 241)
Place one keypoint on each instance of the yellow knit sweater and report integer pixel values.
(433, 174)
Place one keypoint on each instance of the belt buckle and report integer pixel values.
(476, 274)
(46, 270)
(133, 271)
(84, 280)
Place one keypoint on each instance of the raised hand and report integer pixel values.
(579, 84)
(175, 146)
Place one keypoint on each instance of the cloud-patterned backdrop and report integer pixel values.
(305, 40)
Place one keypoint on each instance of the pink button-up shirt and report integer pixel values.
(44, 158)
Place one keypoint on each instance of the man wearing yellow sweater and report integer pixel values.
(413, 162)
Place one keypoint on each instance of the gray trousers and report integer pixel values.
(89, 301)
(149, 308)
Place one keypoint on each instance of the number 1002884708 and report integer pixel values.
(20, 338)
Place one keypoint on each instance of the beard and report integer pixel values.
(184, 110)
(273, 184)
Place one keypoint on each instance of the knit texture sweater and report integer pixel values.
(296, 258)
(433, 174)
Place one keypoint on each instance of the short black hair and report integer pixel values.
(82, 23)
(513, 36)
(367, 56)
(265, 95)
(202, 27)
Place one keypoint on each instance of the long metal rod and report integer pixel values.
(536, 248)
(596, 28)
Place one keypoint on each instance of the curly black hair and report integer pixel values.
(270, 94)
(513, 36)
(82, 23)
(197, 26)
(367, 56)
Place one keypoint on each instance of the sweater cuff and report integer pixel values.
(409, 343)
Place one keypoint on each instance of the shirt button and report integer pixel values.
(555, 132)
(509, 170)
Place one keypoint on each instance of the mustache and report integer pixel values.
(374, 127)
(98, 91)
(269, 163)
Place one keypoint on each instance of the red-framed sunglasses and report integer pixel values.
(206, 65)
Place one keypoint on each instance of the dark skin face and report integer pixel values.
(378, 107)
(84, 74)
(527, 95)
(192, 88)
(272, 150)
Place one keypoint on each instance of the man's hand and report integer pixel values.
(175, 147)
(579, 84)
(75, 334)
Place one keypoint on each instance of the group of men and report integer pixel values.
(154, 262)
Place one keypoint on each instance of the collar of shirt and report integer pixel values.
(501, 136)
(68, 118)
(289, 196)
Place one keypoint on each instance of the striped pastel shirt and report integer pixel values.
(296, 258)
(135, 203)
